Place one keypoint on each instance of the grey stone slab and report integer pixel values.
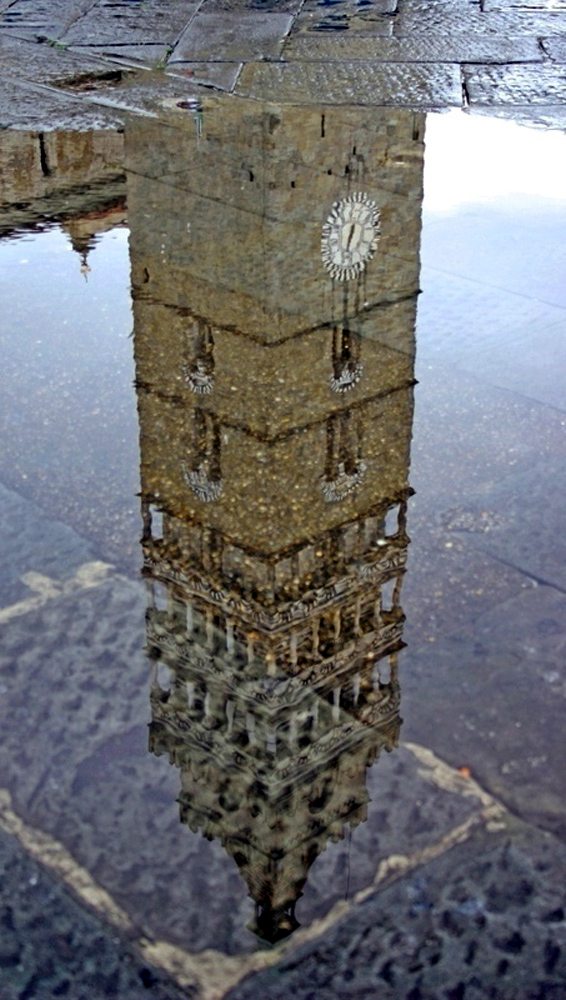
(505, 690)
(482, 920)
(435, 49)
(451, 582)
(257, 6)
(29, 107)
(537, 354)
(441, 19)
(353, 83)
(367, 8)
(515, 84)
(249, 36)
(160, 22)
(33, 543)
(477, 319)
(45, 64)
(532, 528)
(48, 19)
(555, 48)
(221, 75)
(73, 953)
(557, 6)
(150, 94)
(334, 21)
(149, 56)
(470, 437)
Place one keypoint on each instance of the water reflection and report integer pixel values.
(275, 264)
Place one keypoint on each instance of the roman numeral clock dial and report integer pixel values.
(350, 236)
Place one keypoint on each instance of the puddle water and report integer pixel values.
(319, 559)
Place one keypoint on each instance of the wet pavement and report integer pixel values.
(282, 596)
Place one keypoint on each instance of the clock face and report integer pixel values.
(350, 236)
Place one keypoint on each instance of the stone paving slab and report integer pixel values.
(255, 6)
(555, 48)
(353, 83)
(28, 547)
(483, 921)
(44, 19)
(52, 946)
(515, 84)
(251, 36)
(506, 691)
(26, 106)
(438, 20)
(160, 22)
(220, 75)
(466, 580)
(147, 55)
(367, 9)
(533, 500)
(150, 94)
(465, 444)
(313, 24)
(558, 6)
(435, 49)
(46, 65)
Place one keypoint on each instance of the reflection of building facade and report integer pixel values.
(73, 177)
(275, 404)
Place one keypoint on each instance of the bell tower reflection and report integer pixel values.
(274, 305)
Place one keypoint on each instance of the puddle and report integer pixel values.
(210, 376)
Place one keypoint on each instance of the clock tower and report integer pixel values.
(275, 264)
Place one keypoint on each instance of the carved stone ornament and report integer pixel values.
(349, 376)
(343, 483)
(350, 236)
(199, 377)
(203, 487)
